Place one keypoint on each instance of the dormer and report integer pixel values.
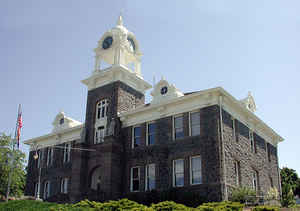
(249, 102)
(163, 91)
(62, 122)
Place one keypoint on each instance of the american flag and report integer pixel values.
(19, 125)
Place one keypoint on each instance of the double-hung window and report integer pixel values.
(67, 152)
(178, 127)
(99, 135)
(102, 109)
(195, 170)
(237, 172)
(49, 156)
(135, 179)
(151, 130)
(195, 123)
(64, 185)
(47, 189)
(178, 173)
(150, 176)
(36, 189)
(255, 180)
(252, 142)
(136, 138)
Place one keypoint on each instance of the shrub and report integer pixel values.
(224, 205)
(169, 206)
(265, 208)
(272, 194)
(243, 194)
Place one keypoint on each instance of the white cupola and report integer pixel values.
(119, 49)
(119, 46)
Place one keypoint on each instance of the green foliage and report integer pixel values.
(221, 206)
(243, 194)
(287, 199)
(18, 173)
(290, 177)
(272, 194)
(265, 208)
(169, 206)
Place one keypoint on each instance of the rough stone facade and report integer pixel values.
(115, 156)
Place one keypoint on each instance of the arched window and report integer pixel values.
(101, 111)
(96, 179)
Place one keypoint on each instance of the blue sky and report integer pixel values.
(47, 48)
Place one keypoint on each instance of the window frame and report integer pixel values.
(174, 173)
(147, 177)
(102, 108)
(36, 189)
(99, 135)
(50, 155)
(252, 141)
(191, 171)
(174, 129)
(191, 125)
(255, 180)
(64, 185)
(148, 134)
(47, 189)
(133, 179)
(237, 169)
(133, 136)
(67, 152)
(233, 129)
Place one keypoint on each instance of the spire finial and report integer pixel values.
(120, 20)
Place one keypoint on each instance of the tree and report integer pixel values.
(289, 186)
(6, 164)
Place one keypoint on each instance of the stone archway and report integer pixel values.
(96, 179)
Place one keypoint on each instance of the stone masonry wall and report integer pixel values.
(165, 150)
(238, 148)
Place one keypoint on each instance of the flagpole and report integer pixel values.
(12, 157)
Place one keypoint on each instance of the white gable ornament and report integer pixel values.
(249, 102)
(61, 122)
(164, 91)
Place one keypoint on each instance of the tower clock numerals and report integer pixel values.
(107, 42)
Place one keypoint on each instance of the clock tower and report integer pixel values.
(111, 91)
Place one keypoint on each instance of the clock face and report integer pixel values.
(132, 44)
(163, 90)
(107, 42)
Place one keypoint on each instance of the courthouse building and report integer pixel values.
(204, 141)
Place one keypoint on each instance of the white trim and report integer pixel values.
(133, 136)
(191, 170)
(252, 142)
(237, 173)
(47, 189)
(147, 132)
(64, 185)
(190, 122)
(147, 176)
(173, 127)
(131, 178)
(174, 173)
(233, 129)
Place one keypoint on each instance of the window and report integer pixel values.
(135, 179)
(271, 182)
(46, 189)
(150, 176)
(99, 135)
(61, 121)
(233, 129)
(237, 172)
(252, 142)
(102, 108)
(49, 156)
(136, 141)
(195, 170)
(151, 130)
(268, 152)
(40, 158)
(178, 173)
(178, 127)
(67, 152)
(64, 185)
(255, 180)
(195, 123)
(36, 189)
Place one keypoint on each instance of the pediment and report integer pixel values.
(163, 91)
(61, 122)
(249, 102)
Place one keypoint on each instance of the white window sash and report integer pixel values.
(174, 126)
(175, 173)
(192, 171)
(134, 179)
(191, 125)
(148, 177)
